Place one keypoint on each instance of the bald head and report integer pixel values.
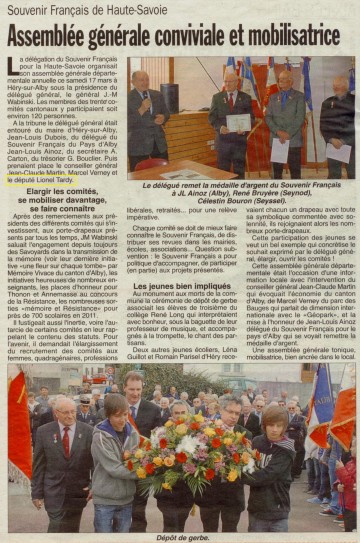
(230, 82)
(140, 80)
(285, 80)
(340, 86)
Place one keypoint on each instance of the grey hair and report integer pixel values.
(178, 402)
(228, 398)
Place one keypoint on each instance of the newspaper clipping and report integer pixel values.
(179, 311)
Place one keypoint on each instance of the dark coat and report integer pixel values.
(56, 478)
(148, 417)
(143, 132)
(252, 424)
(337, 119)
(219, 109)
(270, 486)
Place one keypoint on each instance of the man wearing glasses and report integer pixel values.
(230, 145)
(62, 464)
(224, 498)
(285, 116)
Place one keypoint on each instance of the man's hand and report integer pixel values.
(340, 487)
(38, 504)
(145, 106)
(90, 494)
(224, 130)
(339, 464)
(159, 118)
(283, 136)
(336, 143)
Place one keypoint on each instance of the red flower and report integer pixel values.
(163, 443)
(209, 474)
(194, 426)
(181, 457)
(179, 421)
(150, 468)
(130, 465)
(236, 458)
(219, 431)
(216, 443)
(257, 455)
(148, 446)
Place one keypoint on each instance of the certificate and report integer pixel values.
(342, 154)
(279, 151)
(238, 123)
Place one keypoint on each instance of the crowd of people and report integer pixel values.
(79, 455)
(285, 116)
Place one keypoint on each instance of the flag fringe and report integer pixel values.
(18, 477)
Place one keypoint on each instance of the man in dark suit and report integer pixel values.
(285, 116)
(145, 416)
(164, 409)
(230, 146)
(296, 430)
(147, 113)
(337, 125)
(221, 497)
(62, 465)
(248, 419)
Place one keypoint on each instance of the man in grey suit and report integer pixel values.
(62, 464)
(230, 146)
(147, 114)
(285, 115)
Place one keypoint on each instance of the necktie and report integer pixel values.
(133, 411)
(66, 442)
(231, 102)
(246, 418)
(284, 97)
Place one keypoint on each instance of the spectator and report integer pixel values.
(165, 411)
(34, 414)
(347, 488)
(248, 419)
(296, 431)
(269, 501)
(43, 399)
(83, 411)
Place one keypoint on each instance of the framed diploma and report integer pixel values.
(238, 123)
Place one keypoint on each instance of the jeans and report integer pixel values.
(334, 504)
(112, 518)
(267, 525)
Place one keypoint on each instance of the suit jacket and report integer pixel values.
(165, 416)
(55, 478)
(337, 119)
(219, 109)
(296, 430)
(290, 118)
(252, 424)
(143, 132)
(148, 417)
(47, 416)
(89, 418)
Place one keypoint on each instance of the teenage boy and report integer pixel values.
(269, 501)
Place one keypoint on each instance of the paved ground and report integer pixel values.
(24, 518)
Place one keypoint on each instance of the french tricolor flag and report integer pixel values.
(321, 406)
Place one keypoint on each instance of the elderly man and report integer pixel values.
(230, 146)
(62, 463)
(147, 113)
(337, 126)
(285, 115)
(223, 497)
(248, 419)
(165, 410)
(177, 504)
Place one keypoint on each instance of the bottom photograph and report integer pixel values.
(182, 448)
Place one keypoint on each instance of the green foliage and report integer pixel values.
(171, 375)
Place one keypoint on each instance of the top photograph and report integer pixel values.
(241, 118)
